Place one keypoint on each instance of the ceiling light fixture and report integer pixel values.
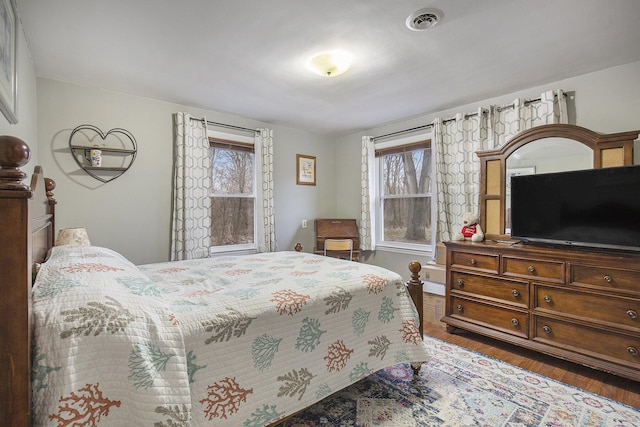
(424, 19)
(330, 64)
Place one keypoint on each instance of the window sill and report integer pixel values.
(407, 249)
(232, 250)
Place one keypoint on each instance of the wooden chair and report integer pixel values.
(339, 245)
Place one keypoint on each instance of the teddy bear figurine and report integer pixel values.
(471, 230)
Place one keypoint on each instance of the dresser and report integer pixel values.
(577, 304)
(336, 228)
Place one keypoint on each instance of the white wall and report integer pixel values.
(607, 101)
(26, 128)
(132, 214)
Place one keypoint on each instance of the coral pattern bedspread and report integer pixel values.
(238, 341)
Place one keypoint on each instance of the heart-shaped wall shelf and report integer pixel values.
(113, 153)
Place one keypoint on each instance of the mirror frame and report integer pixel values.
(609, 150)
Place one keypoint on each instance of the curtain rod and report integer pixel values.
(224, 125)
(402, 132)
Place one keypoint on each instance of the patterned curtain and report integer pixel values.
(367, 208)
(265, 212)
(191, 217)
(455, 142)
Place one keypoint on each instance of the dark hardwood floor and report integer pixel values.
(617, 388)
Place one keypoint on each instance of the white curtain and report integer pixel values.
(455, 142)
(191, 218)
(368, 196)
(263, 144)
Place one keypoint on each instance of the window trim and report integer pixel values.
(396, 146)
(231, 145)
(402, 148)
(242, 143)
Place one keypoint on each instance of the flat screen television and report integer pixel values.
(594, 207)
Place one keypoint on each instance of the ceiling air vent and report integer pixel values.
(424, 19)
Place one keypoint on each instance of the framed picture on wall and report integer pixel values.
(8, 83)
(305, 170)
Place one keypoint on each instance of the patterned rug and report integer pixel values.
(461, 388)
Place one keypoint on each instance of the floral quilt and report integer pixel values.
(234, 340)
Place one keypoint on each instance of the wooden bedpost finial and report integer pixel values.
(50, 185)
(414, 286)
(414, 268)
(14, 153)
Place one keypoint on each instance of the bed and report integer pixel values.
(231, 340)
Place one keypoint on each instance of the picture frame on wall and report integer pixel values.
(305, 169)
(8, 67)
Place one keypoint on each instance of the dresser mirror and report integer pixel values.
(545, 155)
(543, 149)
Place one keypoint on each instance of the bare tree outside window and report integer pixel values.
(232, 196)
(406, 196)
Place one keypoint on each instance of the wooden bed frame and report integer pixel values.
(26, 234)
(27, 226)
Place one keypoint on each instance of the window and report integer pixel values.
(233, 194)
(404, 212)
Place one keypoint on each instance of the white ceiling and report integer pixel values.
(247, 57)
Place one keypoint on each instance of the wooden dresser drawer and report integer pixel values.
(597, 308)
(512, 322)
(612, 347)
(550, 271)
(607, 278)
(475, 261)
(507, 291)
(578, 304)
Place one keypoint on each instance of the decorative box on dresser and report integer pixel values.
(578, 304)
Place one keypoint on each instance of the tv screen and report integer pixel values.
(594, 207)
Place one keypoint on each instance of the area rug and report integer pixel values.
(458, 387)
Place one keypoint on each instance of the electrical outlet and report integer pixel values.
(304, 223)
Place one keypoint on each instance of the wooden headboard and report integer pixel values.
(26, 235)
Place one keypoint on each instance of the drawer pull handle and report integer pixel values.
(531, 269)
(607, 279)
(473, 261)
(515, 293)
(632, 314)
(632, 351)
(459, 308)
(515, 322)
(546, 329)
(460, 283)
(547, 298)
